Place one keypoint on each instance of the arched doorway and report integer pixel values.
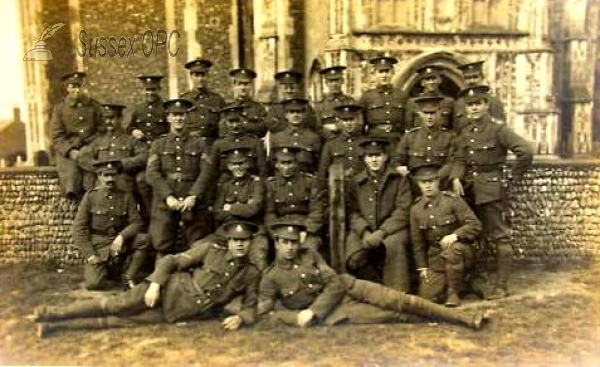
(314, 83)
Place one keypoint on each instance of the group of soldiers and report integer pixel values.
(337, 209)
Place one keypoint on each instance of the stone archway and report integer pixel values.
(448, 62)
(314, 85)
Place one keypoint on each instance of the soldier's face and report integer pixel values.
(295, 117)
(473, 78)
(151, 95)
(476, 109)
(334, 85)
(383, 76)
(234, 125)
(238, 247)
(176, 121)
(110, 123)
(350, 125)
(428, 118)
(375, 162)
(429, 188)
(287, 249)
(106, 180)
(241, 89)
(287, 167)
(287, 90)
(199, 79)
(74, 90)
(238, 169)
(431, 84)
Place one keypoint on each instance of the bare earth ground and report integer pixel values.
(553, 320)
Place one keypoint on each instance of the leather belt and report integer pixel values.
(178, 176)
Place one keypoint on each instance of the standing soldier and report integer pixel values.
(114, 143)
(384, 106)
(378, 204)
(298, 134)
(254, 112)
(325, 110)
(430, 79)
(107, 230)
(429, 143)
(442, 228)
(180, 174)
(481, 154)
(294, 195)
(148, 119)
(75, 123)
(472, 76)
(289, 85)
(203, 119)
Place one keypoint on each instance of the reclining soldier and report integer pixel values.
(312, 293)
(194, 284)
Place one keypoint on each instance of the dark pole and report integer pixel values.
(240, 35)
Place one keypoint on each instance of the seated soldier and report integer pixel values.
(312, 293)
(195, 284)
(378, 203)
(442, 226)
(107, 230)
(294, 194)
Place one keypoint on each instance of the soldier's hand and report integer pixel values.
(374, 239)
(73, 154)
(457, 187)
(448, 240)
(425, 275)
(403, 170)
(232, 323)
(93, 260)
(302, 236)
(188, 203)
(173, 203)
(152, 295)
(137, 133)
(305, 317)
(116, 246)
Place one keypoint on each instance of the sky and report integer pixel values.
(11, 63)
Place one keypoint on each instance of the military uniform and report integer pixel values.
(379, 204)
(325, 109)
(446, 104)
(75, 123)
(307, 282)
(254, 113)
(203, 118)
(179, 167)
(103, 214)
(481, 153)
(149, 116)
(195, 284)
(430, 220)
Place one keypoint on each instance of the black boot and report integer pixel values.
(423, 307)
(504, 260)
(132, 271)
(45, 329)
(88, 308)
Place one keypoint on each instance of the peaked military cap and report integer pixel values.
(285, 152)
(383, 62)
(295, 104)
(240, 229)
(288, 76)
(236, 153)
(374, 144)
(429, 71)
(347, 110)
(333, 72)
(232, 111)
(151, 81)
(112, 110)
(176, 105)
(198, 65)
(429, 103)
(108, 166)
(74, 77)
(243, 74)
(425, 172)
(472, 67)
(289, 229)
(475, 92)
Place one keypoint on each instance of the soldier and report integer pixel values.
(180, 174)
(298, 134)
(481, 153)
(107, 230)
(343, 148)
(378, 204)
(254, 112)
(472, 76)
(241, 196)
(384, 105)
(325, 110)
(203, 120)
(75, 123)
(289, 85)
(294, 195)
(195, 284)
(234, 120)
(311, 293)
(442, 228)
(430, 79)
(428, 143)
(114, 143)
(148, 120)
